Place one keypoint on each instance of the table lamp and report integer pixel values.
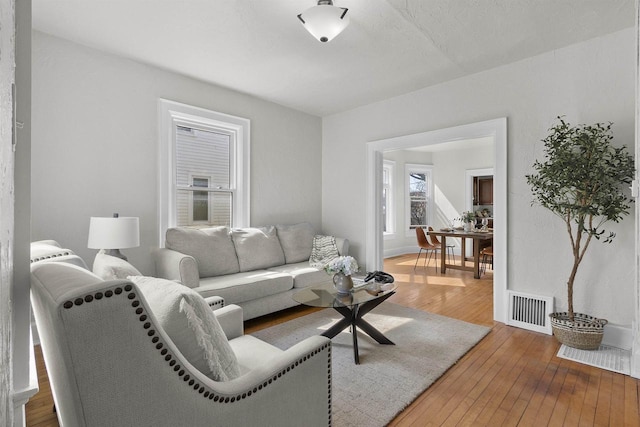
(114, 234)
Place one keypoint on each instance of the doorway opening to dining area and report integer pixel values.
(419, 180)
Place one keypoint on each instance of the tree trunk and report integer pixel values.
(572, 277)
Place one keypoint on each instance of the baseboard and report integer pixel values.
(618, 336)
(388, 253)
(635, 365)
(635, 352)
(34, 333)
(21, 396)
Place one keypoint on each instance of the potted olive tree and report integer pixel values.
(582, 180)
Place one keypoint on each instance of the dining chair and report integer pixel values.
(450, 246)
(425, 245)
(487, 256)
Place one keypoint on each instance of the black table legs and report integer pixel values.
(352, 316)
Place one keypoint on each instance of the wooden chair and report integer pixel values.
(425, 245)
(487, 256)
(450, 246)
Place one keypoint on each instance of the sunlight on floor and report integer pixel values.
(429, 279)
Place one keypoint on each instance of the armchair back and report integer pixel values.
(110, 363)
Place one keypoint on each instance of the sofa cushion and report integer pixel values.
(212, 249)
(257, 248)
(296, 241)
(247, 286)
(323, 250)
(252, 352)
(191, 325)
(110, 267)
(303, 274)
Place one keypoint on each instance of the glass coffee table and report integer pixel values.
(352, 306)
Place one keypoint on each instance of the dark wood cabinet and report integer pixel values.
(483, 190)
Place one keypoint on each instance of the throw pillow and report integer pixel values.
(191, 325)
(296, 241)
(110, 267)
(324, 249)
(257, 248)
(211, 247)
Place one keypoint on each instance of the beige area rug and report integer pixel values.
(389, 377)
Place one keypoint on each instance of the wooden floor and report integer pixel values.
(511, 378)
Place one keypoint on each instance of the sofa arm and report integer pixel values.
(230, 319)
(343, 246)
(177, 266)
(293, 388)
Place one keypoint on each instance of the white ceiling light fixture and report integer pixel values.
(325, 21)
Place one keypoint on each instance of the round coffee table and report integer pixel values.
(353, 306)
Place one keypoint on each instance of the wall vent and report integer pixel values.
(530, 312)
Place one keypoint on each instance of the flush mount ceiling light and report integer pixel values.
(325, 21)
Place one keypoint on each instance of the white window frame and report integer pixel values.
(390, 206)
(427, 170)
(172, 114)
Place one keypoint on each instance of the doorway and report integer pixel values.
(497, 129)
(479, 195)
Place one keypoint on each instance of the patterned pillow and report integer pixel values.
(323, 250)
(191, 325)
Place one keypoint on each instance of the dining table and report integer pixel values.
(476, 235)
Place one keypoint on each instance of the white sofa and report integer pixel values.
(258, 269)
(120, 353)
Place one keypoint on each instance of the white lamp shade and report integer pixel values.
(324, 21)
(114, 233)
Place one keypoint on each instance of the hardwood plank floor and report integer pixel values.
(511, 378)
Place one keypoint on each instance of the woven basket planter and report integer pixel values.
(584, 333)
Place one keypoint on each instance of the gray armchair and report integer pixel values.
(110, 363)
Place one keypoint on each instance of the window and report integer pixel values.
(388, 211)
(204, 190)
(419, 195)
(204, 168)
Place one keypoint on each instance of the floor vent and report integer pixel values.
(606, 357)
(530, 312)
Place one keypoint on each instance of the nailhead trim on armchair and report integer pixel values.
(207, 394)
(57, 254)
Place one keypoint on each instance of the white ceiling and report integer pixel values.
(391, 47)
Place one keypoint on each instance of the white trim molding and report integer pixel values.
(172, 113)
(497, 129)
(635, 350)
(427, 170)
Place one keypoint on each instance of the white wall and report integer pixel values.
(95, 146)
(449, 176)
(588, 82)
